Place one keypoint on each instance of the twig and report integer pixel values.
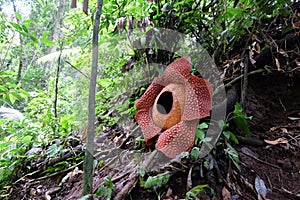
(266, 69)
(56, 83)
(114, 180)
(86, 76)
(259, 160)
(129, 136)
(244, 82)
(50, 175)
(128, 187)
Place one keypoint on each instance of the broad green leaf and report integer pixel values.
(195, 153)
(104, 82)
(230, 136)
(233, 155)
(47, 42)
(18, 16)
(236, 12)
(240, 120)
(202, 126)
(27, 139)
(25, 28)
(192, 194)
(16, 26)
(12, 97)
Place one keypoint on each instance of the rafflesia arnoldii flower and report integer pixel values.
(172, 106)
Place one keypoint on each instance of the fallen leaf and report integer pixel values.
(294, 118)
(277, 65)
(226, 194)
(296, 25)
(277, 141)
(260, 187)
(284, 130)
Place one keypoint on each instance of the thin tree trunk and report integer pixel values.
(56, 31)
(89, 152)
(56, 85)
(21, 47)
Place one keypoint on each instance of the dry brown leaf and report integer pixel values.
(277, 65)
(277, 141)
(296, 25)
(226, 194)
(284, 130)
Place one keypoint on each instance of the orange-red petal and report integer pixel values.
(148, 98)
(198, 98)
(145, 121)
(177, 139)
(176, 72)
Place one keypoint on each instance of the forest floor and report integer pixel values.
(269, 159)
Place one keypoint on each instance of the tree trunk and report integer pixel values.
(21, 48)
(89, 152)
(56, 31)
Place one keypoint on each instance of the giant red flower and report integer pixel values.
(172, 106)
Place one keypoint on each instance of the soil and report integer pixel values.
(274, 103)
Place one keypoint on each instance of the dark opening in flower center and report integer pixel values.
(165, 103)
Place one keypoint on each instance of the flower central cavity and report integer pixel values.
(164, 103)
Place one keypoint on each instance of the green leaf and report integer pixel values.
(105, 82)
(16, 26)
(240, 120)
(195, 191)
(34, 39)
(202, 126)
(230, 136)
(200, 134)
(18, 16)
(27, 139)
(12, 97)
(236, 12)
(233, 155)
(25, 28)
(47, 42)
(158, 180)
(195, 153)
(141, 170)
(29, 21)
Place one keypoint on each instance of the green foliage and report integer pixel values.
(9, 91)
(217, 24)
(200, 134)
(192, 194)
(240, 119)
(155, 181)
(195, 153)
(17, 137)
(233, 155)
(229, 137)
(106, 189)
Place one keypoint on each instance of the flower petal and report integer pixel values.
(148, 98)
(177, 139)
(198, 98)
(145, 121)
(180, 65)
(177, 72)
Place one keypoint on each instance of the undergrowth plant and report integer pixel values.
(38, 135)
(227, 138)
